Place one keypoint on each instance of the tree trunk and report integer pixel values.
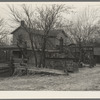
(80, 52)
(22, 52)
(44, 47)
(33, 50)
(42, 59)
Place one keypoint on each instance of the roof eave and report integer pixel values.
(15, 30)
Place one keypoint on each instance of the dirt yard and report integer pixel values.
(84, 80)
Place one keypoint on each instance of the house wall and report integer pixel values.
(24, 35)
(32, 58)
(51, 43)
(55, 41)
(65, 39)
(38, 41)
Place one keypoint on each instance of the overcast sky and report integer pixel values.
(4, 11)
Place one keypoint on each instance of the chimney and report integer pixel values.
(22, 23)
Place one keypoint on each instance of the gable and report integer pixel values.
(20, 31)
(13, 32)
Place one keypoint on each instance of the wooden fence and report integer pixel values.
(6, 71)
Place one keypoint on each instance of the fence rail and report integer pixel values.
(6, 72)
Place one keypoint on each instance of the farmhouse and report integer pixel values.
(53, 36)
(52, 42)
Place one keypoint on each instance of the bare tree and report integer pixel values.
(3, 32)
(46, 18)
(22, 45)
(83, 29)
(49, 18)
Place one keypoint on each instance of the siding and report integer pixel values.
(24, 35)
(51, 44)
(38, 40)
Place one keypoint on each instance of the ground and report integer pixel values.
(86, 79)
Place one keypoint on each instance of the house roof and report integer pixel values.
(52, 33)
(16, 30)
